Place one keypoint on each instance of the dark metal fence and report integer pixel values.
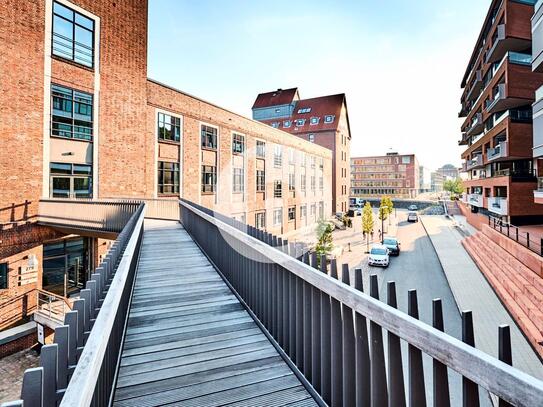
(531, 241)
(79, 368)
(332, 334)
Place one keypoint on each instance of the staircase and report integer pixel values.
(452, 208)
(518, 287)
(51, 309)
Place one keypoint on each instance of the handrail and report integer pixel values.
(477, 367)
(58, 297)
(514, 233)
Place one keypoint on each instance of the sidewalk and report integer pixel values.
(472, 292)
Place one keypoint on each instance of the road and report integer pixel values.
(418, 268)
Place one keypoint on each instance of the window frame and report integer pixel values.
(71, 175)
(206, 146)
(260, 149)
(210, 170)
(238, 180)
(4, 280)
(260, 180)
(278, 211)
(278, 158)
(262, 216)
(300, 122)
(238, 140)
(176, 124)
(278, 189)
(175, 186)
(313, 121)
(291, 214)
(329, 118)
(76, 98)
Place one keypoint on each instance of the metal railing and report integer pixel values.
(531, 241)
(91, 214)
(52, 306)
(319, 325)
(80, 367)
(156, 208)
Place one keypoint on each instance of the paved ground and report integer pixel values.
(11, 373)
(472, 292)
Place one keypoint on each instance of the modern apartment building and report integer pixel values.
(393, 174)
(79, 119)
(498, 91)
(322, 120)
(537, 66)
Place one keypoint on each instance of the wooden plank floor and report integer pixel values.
(189, 341)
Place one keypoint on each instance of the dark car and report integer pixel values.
(413, 208)
(392, 245)
(412, 217)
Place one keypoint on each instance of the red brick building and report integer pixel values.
(395, 175)
(498, 92)
(80, 119)
(322, 120)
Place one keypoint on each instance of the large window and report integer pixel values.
(260, 181)
(260, 149)
(209, 179)
(168, 178)
(3, 276)
(277, 216)
(237, 181)
(277, 189)
(73, 35)
(70, 180)
(238, 144)
(303, 180)
(72, 113)
(260, 220)
(169, 127)
(209, 137)
(291, 180)
(278, 156)
(292, 213)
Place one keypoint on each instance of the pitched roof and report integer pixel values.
(276, 98)
(318, 107)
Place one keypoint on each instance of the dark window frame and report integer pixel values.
(4, 276)
(174, 122)
(260, 180)
(168, 188)
(238, 180)
(291, 214)
(72, 172)
(260, 149)
(278, 189)
(72, 102)
(209, 138)
(260, 220)
(238, 144)
(209, 179)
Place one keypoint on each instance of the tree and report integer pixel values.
(390, 206)
(324, 239)
(367, 222)
(383, 215)
(454, 186)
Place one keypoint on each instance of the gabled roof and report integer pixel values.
(319, 107)
(276, 98)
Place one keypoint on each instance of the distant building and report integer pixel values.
(393, 174)
(449, 171)
(437, 180)
(322, 120)
(425, 179)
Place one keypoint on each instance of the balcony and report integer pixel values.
(494, 104)
(475, 200)
(538, 193)
(475, 162)
(497, 205)
(477, 85)
(501, 44)
(477, 125)
(498, 152)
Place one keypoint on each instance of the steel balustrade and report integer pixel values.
(316, 320)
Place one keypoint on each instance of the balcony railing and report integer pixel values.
(499, 95)
(475, 200)
(497, 205)
(534, 243)
(500, 151)
(477, 125)
(475, 162)
(319, 323)
(493, 54)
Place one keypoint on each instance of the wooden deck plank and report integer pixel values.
(189, 341)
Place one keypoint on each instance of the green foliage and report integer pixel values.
(367, 222)
(324, 238)
(454, 186)
(389, 204)
(383, 209)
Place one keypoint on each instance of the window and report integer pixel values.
(260, 149)
(300, 122)
(312, 160)
(314, 120)
(304, 160)
(70, 180)
(329, 118)
(312, 182)
(304, 110)
(321, 209)
(291, 156)
(169, 127)
(72, 113)
(321, 183)
(168, 178)
(313, 209)
(321, 163)
(238, 182)
(291, 181)
(278, 156)
(209, 179)
(260, 220)
(73, 35)
(278, 216)
(277, 189)
(260, 181)
(238, 143)
(287, 124)
(303, 179)
(406, 160)
(278, 110)
(275, 125)
(292, 214)
(209, 137)
(303, 211)
(4, 276)
(311, 138)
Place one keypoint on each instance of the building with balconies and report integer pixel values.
(498, 91)
(537, 107)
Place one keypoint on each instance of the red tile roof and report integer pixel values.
(320, 107)
(276, 98)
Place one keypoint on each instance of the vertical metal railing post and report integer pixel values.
(441, 396)
(396, 387)
(292, 308)
(417, 392)
(470, 390)
(307, 330)
(336, 342)
(504, 352)
(362, 356)
(379, 393)
(325, 340)
(279, 297)
(348, 347)
(316, 332)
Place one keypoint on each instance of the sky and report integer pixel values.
(399, 62)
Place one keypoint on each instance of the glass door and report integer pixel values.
(54, 274)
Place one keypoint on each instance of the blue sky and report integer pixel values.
(400, 62)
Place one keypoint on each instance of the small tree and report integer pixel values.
(390, 206)
(383, 215)
(454, 186)
(324, 239)
(367, 223)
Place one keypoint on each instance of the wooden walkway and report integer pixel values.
(189, 341)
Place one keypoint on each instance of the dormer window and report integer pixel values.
(314, 120)
(300, 122)
(329, 118)
(311, 138)
(278, 110)
(304, 110)
(275, 125)
(287, 124)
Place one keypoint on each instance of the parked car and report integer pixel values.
(379, 256)
(413, 208)
(393, 245)
(412, 217)
(356, 210)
